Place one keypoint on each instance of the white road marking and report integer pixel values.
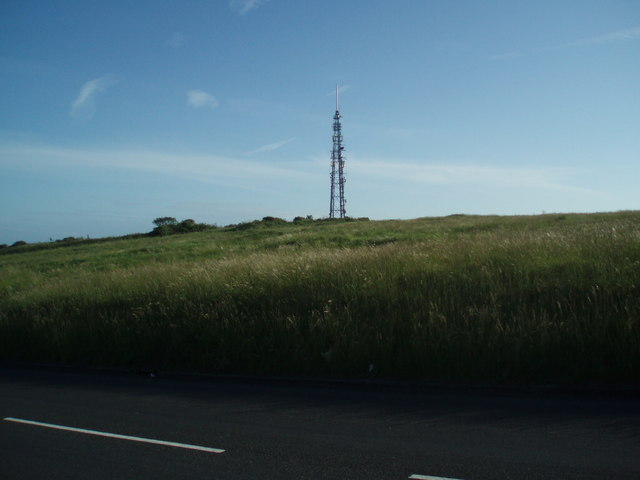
(430, 477)
(115, 435)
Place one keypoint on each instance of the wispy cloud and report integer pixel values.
(545, 178)
(271, 146)
(245, 6)
(201, 99)
(223, 170)
(619, 36)
(611, 37)
(84, 106)
(215, 169)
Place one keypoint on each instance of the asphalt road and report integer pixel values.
(287, 430)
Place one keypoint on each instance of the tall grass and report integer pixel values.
(546, 298)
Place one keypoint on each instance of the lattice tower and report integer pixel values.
(337, 205)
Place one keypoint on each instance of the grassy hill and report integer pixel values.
(527, 298)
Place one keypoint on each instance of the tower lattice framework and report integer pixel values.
(337, 206)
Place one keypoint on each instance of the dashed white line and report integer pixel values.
(114, 435)
(430, 477)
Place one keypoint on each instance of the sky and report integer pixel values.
(115, 113)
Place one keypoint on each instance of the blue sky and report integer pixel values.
(115, 113)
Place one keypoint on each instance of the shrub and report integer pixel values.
(161, 221)
(170, 226)
(188, 225)
(273, 220)
(245, 225)
(163, 230)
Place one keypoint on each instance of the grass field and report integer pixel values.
(525, 299)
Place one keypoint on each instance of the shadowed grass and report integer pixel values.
(552, 297)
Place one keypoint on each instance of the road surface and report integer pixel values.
(79, 425)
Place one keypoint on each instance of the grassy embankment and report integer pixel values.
(540, 298)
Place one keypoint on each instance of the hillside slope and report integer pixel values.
(527, 298)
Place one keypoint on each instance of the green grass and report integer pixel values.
(530, 298)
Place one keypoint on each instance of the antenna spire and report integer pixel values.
(337, 96)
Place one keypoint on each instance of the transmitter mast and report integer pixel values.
(337, 205)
